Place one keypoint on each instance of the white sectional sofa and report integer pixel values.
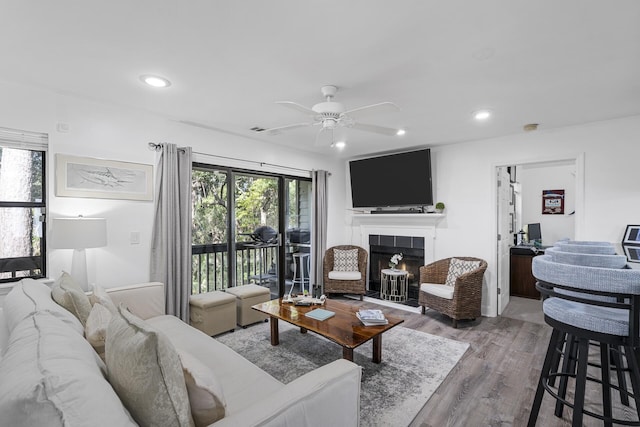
(50, 374)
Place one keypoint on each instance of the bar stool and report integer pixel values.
(611, 324)
(592, 254)
(301, 259)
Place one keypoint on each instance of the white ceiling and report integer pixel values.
(556, 63)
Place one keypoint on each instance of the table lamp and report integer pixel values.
(79, 234)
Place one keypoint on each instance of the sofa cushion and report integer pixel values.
(52, 377)
(30, 296)
(442, 291)
(145, 371)
(145, 300)
(95, 330)
(344, 275)
(345, 260)
(458, 267)
(66, 292)
(243, 383)
(100, 296)
(206, 397)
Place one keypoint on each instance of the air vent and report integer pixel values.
(258, 129)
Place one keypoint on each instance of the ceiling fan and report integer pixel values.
(330, 114)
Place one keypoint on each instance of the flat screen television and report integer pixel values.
(402, 179)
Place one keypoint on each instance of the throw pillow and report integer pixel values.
(145, 371)
(100, 296)
(458, 267)
(96, 328)
(66, 292)
(205, 393)
(345, 260)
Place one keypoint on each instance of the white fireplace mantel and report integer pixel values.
(414, 225)
(410, 219)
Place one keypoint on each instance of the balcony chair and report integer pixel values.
(458, 296)
(589, 298)
(345, 270)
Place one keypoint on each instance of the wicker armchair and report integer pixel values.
(467, 292)
(357, 287)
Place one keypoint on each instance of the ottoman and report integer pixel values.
(246, 296)
(213, 312)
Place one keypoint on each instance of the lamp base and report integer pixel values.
(79, 268)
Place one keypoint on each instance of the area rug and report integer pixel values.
(413, 365)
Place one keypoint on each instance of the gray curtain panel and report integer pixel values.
(319, 232)
(171, 238)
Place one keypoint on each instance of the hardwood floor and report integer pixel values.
(495, 381)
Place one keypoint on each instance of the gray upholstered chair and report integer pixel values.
(461, 299)
(345, 276)
(589, 297)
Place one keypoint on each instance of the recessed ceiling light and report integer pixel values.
(401, 132)
(339, 145)
(155, 81)
(482, 115)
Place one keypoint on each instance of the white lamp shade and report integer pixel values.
(79, 233)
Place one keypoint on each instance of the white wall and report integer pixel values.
(117, 133)
(464, 177)
(464, 180)
(534, 179)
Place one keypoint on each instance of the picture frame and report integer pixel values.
(632, 235)
(632, 252)
(631, 243)
(552, 202)
(102, 179)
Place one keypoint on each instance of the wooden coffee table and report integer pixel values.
(344, 328)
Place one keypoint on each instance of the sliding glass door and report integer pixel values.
(246, 227)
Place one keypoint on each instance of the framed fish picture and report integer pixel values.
(102, 179)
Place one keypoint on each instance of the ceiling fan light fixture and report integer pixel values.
(401, 132)
(155, 81)
(482, 115)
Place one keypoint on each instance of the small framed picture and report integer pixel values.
(632, 235)
(632, 253)
(552, 202)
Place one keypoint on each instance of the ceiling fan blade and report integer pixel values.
(297, 107)
(375, 129)
(381, 107)
(277, 130)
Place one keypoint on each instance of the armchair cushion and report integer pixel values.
(442, 291)
(345, 260)
(457, 268)
(345, 275)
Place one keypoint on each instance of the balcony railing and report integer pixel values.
(210, 265)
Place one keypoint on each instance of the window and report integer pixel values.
(22, 204)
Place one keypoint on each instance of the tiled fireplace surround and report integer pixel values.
(384, 235)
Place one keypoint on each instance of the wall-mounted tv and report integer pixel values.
(402, 179)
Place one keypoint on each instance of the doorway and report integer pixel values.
(246, 227)
(519, 189)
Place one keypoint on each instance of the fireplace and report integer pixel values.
(383, 247)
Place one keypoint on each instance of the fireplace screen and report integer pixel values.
(411, 262)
